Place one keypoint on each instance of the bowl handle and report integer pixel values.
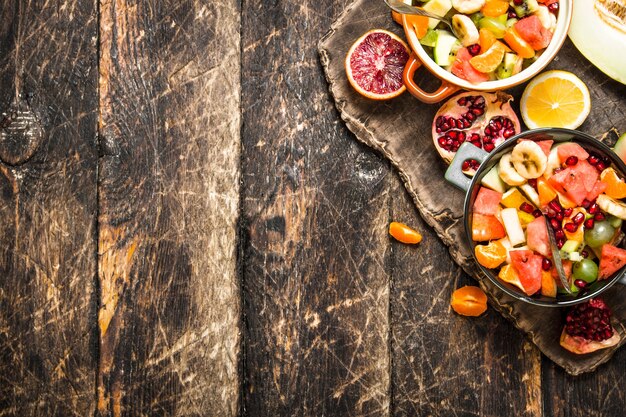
(445, 89)
(454, 173)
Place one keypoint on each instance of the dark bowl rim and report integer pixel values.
(468, 196)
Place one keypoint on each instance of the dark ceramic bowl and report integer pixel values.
(488, 160)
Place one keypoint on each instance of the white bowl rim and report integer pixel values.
(558, 38)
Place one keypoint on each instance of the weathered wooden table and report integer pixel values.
(187, 228)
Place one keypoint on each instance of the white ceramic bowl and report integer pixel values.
(450, 83)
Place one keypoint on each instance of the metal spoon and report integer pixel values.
(403, 8)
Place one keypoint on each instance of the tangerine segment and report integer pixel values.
(469, 301)
(519, 45)
(486, 39)
(403, 233)
(555, 99)
(495, 8)
(491, 255)
(615, 186)
(509, 275)
(374, 64)
(488, 61)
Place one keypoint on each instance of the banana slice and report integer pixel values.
(612, 206)
(508, 173)
(553, 162)
(547, 19)
(528, 159)
(466, 29)
(468, 6)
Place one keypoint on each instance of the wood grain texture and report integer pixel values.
(169, 316)
(315, 209)
(48, 159)
(445, 364)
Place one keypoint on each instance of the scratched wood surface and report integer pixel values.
(188, 228)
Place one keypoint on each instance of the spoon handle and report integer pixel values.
(403, 8)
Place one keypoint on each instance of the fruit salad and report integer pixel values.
(497, 38)
(582, 197)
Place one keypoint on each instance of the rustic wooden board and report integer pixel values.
(400, 130)
(48, 158)
(315, 211)
(168, 201)
(445, 364)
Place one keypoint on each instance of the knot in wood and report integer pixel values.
(20, 135)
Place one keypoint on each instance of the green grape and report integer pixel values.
(587, 270)
(601, 233)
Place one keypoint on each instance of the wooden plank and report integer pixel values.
(596, 394)
(316, 209)
(445, 364)
(48, 161)
(169, 99)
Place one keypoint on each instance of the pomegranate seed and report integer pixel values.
(453, 134)
(478, 111)
(462, 136)
(572, 160)
(580, 283)
(555, 205)
(593, 160)
(559, 217)
(466, 123)
(550, 213)
(527, 208)
(442, 141)
(600, 166)
(508, 133)
(470, 116)
(474, 49)
(578, 218)
(559, 234)
(479, 101)
(518, 2)
(477, 144)
(533, 183)
(560, 243)
(599, 217)
(465, 166)
(553, 7)
(593, 209)
(546, 264)
(489, 147)
(452, 123)
(445, 126)
(584, 254)
(586, 203)
(475, 136)
(462, 101)
(589, 224)
(555, 224)
(537, 213)
(488, 130)
(568, 212)
(570, 227)
(512, 14)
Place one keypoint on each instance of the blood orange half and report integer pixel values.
(374, 64)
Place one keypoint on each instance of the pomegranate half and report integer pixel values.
(483, 119)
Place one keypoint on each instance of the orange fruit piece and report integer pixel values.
(419, 23)
(548, 284)
(486, 39)
(488, 61)
(615, 186)
(403, 233)
(397, 17)
(509, 275)
(374, 64)
(545, 191)
(519, 45)
(491, 255)
(495, 8)
(469, 301)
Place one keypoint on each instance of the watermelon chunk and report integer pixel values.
(611, 260)
(567, 268)
(487, 202)
(570, 183)
(462, 68)
(527, 264)
(532, 31)
(588, 173)
(537, 237)
(546, 146)
(566, 150)
(598, 188)
(485, 228)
